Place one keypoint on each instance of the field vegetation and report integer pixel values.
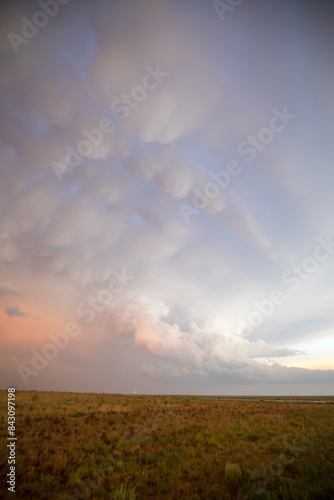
(99, 446)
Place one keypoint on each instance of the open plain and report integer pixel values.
(82, 446)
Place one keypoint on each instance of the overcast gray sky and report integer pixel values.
(166, 211)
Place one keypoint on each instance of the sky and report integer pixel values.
(166, 208)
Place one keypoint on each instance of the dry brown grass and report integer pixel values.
(76, 446)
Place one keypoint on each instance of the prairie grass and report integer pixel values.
(92, 446)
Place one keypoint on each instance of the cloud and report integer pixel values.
(8, 289)
(210, 348)
(150, 370)
(14, 311)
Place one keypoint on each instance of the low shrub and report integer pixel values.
(124, 493)
(233, 475)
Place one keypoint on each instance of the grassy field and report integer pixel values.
(81, 446)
